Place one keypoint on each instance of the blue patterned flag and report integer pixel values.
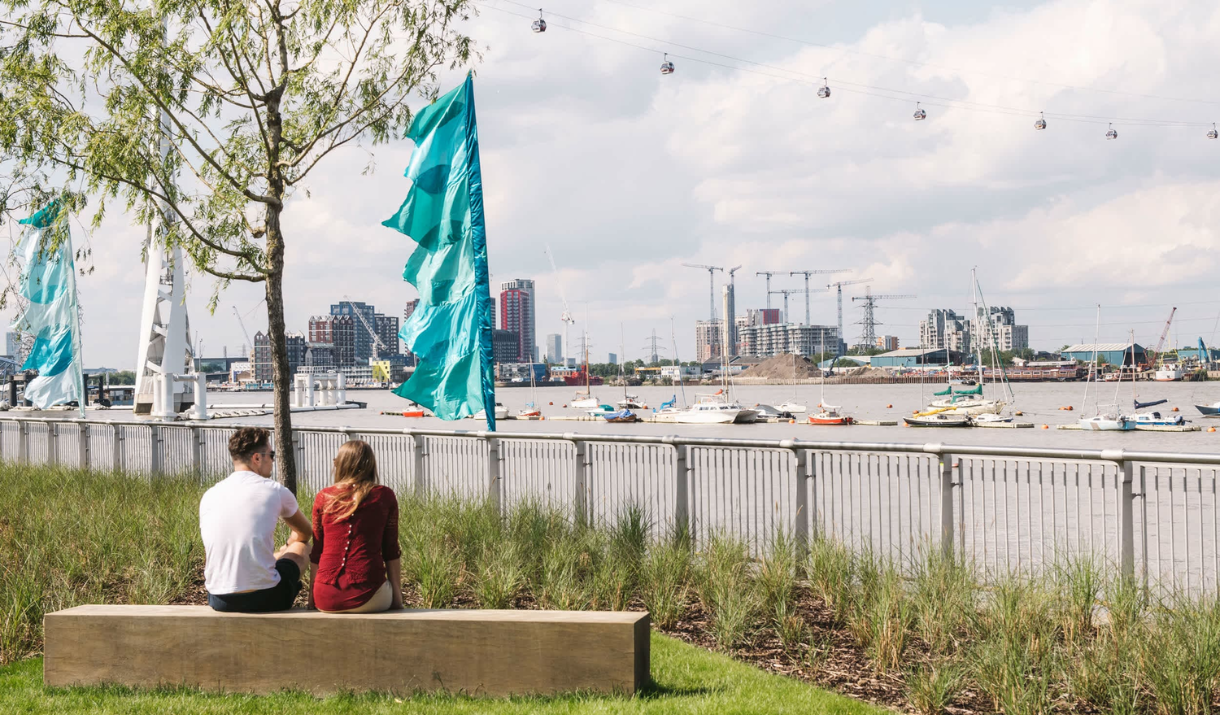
(450, 330)
(48, 283)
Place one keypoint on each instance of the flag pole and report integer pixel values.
(481, 271)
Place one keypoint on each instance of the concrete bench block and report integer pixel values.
(475, 652)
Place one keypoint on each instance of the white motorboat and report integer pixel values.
(771, 412)
(1168, 372)
(792, 407)
(1158, 420)
(631, 402)
(1212, 410)
(939, 419)
(991, 418)
(501, 413)
(600, 410)
(706, 413)
(1107, 422)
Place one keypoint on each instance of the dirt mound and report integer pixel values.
(869, 372)
(780, 368)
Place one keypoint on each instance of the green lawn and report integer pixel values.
(687, 679)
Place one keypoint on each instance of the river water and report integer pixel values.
(1039, 403)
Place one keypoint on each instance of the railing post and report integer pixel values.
(581, 502)
(298, 451)
(116, 447)
(23, 442)
(495, 486)
(418, 465)
(801, 526)
(52, 443)
(154, 450)
(682, 524)
(1127, 528)
(197, 449)
(82, 445)
(946, 505)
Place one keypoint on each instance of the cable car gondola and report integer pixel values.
(824, 90)
(1112, 134)
(920, 115)
(539, 24)
(1041, 123)
(1213, 134)
(667, 67)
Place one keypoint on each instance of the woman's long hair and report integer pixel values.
(355, 477)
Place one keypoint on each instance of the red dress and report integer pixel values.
(351, 553)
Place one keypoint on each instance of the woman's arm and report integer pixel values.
(394, 570)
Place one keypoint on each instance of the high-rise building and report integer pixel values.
(613, 359)
(730, 319)
(764, 341)
(504, 346)
(12, 346)
(343, 330)
(708, 339)
(887, 342)
(945, 329)
(296, 344)
(362, 337)
(320, 357)
(762, 316)
(321, 329)
(517, 316)
(262, 357)
(1001, 323)
(387, 333)
(554, 349)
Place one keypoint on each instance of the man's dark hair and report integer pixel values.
(248, 441)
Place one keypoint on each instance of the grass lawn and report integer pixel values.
(686, 679)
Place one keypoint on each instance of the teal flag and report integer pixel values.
(48, 284)
(450, 330)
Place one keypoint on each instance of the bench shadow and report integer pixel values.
(657, 691)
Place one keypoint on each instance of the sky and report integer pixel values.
(626, 174)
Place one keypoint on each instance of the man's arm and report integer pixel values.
(302, 530)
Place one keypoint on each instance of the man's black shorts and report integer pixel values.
(277, 598)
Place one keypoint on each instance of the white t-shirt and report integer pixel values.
(237, 519)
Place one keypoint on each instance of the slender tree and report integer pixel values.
(203, 117)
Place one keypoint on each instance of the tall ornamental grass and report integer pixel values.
(1075, 638)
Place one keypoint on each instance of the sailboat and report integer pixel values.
(828, 414)
(1109, 420)
(793, 406)
(531, 409)
(970, 401)
(585, 399)
(629, 402)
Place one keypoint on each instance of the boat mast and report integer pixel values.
(1093, 362)
(978, 321)
(622, 343)
(674, 341)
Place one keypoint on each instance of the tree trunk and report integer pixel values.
(281, 377)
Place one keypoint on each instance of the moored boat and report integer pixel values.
(830, 415)
(1209, 410)
(1158, 420)
(939, 419)
(1107, 422)
(625, 416)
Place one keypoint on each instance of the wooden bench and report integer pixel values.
(475, 652)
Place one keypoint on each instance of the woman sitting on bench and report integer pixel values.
(355, 566)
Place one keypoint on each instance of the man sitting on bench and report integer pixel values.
(237, 518)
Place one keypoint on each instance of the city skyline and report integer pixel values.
(1052, 219)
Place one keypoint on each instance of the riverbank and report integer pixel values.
(922, 637)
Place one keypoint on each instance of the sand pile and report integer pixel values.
(780, 368)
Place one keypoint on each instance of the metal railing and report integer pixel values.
(1151, 514)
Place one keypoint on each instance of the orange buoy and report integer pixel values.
(1211, 429)
(914, 412)
(890, 406)
(541, 417)
(1018, 413)
(551, 403)
(791, 422)
(1175, 409)
(1045, 427)
(565, 405)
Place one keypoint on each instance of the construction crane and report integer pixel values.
(249, 342)
(768, 275)
(839, 285)
(566, 316)
(784, 292)
(372, 331)
(711, 273)
(868, 332)
(808, 320)
(1151, 357)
